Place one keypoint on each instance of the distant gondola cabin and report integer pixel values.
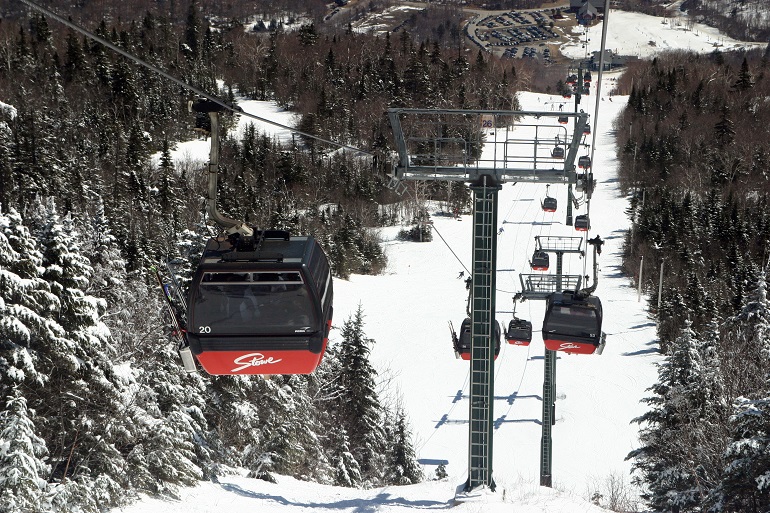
(261, 307)
(550, 204)
(462, 341)
(540, 261)
(519, 332)
(582, 223)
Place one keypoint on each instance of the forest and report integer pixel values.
(694, 157)
(94, 404)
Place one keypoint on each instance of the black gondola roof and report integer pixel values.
(270, 246)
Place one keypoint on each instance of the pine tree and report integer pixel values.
(108, 274)
(168, 432)
(749, 330)
(88, 402)
(191, 46)
(237, 413)
(6, 164)
(745, 78)
(360, 408)
(346, 471)
(402, 464)
(724, 130)
(667, 462)
(745, 486)
(25, 301)
(75, 58)
(308, 35)
(307, 459)
(279, 446)
(22, 468)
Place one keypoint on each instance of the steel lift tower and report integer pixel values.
(484, 148)
(541, 286)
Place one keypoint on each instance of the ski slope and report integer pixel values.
(407, 310)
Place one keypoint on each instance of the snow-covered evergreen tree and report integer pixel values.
(87, 404)
(22, 469)
(346, 471)
(360, 409)
(403, 468)
(169, 434)
(306, 460)
(108, 274)
(745, 486)
(668, 462)
(25, 300)
(748, 335)
(234, 412)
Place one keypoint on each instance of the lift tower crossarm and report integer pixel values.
(432, 148)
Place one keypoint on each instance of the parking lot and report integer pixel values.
(523, 34)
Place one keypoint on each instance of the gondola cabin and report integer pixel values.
(573, 323)
(519, 332)
(540, 261)
(557, 152)
(562, 119)
(260, 305)
(462, 342)
(550, 204)
(582, 223)
(584, 162)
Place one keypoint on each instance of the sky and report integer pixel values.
(407, 309)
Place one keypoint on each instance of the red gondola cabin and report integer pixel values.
(260, 305)
(573, 323)
(582, 223)
(519, 332)
(540, 261)
(462, 343)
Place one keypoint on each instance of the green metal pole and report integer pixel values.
(483, 333)
(549, 398)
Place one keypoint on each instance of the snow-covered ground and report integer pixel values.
(408, 307)
(195, 154)
(406, 313)
(630, 33)
(379, 22)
